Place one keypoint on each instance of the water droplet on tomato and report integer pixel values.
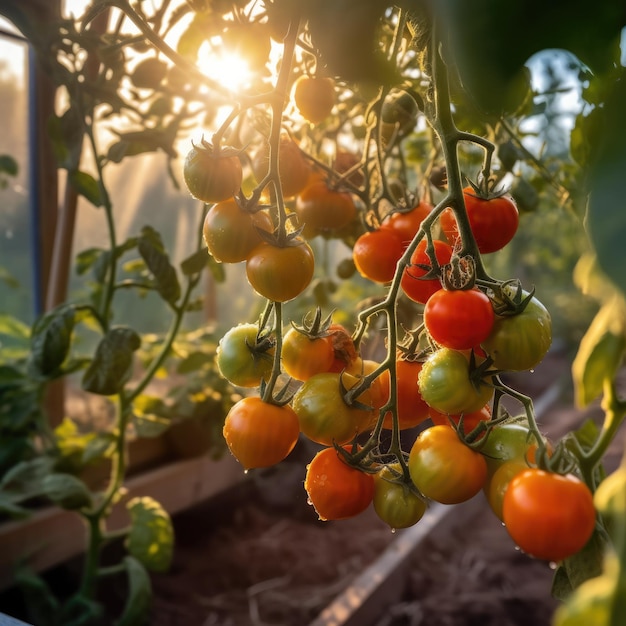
(552, 565)
(393, 531)
(309, 501)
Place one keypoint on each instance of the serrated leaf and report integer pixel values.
(67, 491)
(139, 596)
(111, 366)
(153, 253)
(151, 537)
(86, 185)
(600, 352)
(50, 339)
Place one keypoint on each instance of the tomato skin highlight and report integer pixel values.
(210, 177)
(549, 516)
(259, 434)
(443, 468)
(416, 288)
(459, 319)
(336, 490)
(376, 254)
(493, 221)
(280, 274)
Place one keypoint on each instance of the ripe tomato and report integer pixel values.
(519, 342)
(241, 359)
(549, 516)
(443, 468)
(259, 434)
(407, 223)
(459, 319)
(336, 490)
(321, 208)
(303, 356)
(280, 274)
(498, 483)
(231, 233)
(345, 161)
(293, 169)
(396, 503)
(376, 254)
(322, 412)
(470, 420)
(376, 395)
(412, 410)
(212, 177)
(412, 283)
(493, 221)
(446, 386)
(314, 97)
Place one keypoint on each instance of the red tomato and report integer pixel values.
(412, 283)
(549, 516)
(336, 490)
(459, 319)
(376, 254)
(493, 221)
(259, 434)
(407, 223)
(280, 274)
(321, 208)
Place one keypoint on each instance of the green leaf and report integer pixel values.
(50, 340)
(41, 603)
(139, 596)
(150, 425)
(194, 362)
(600, 352)
(100, 446)
(112, 363)
(86, 185)
(13, 327)
(195, 263)
(151, 537)
(8, 165)
(151, 249)
(27, 477)
(68, 491)
(9, 507)
(8, 279)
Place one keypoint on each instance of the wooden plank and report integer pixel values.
(53, 535)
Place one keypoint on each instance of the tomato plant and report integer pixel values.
(396, 503)
(460, 319)
(443, 468)
(413, 282)
(212, 176)
(376, 254)
(336, 490)
(493, 220)
(548, 515)
(259, 434)
(280, 273)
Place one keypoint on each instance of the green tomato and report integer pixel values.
(396, 503)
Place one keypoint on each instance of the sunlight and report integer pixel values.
(229, 69)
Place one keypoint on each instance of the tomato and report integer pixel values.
(343, 347)
(549, 516)
(376, 254)
(519, 342)
(231, 233)
(407, 223)
(259, 434)
(412, 410)
(446, 385)
(321, 208)
(507, 442)
(396, 503)
(314, 97)
(345, 161)
(412, 283)
(304, 356)
(470, 420)
(242, 358)
(400, 110)
(459, 319)
(212, 176)
(493, 221)
(280, 274)
(324, 415)
(498, 483)
(443, 468)
(336, 490)
(293, 169)
(377, 393)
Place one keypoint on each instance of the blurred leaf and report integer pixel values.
(8, 279)
(194, 362)
(152, 251)
(50, 339)
(86, 185)
(149, 425)
(139, 596)
(195, 263)
(26, 477)
(13, 327)
(66, 490)
(41, 603)
(8, 165)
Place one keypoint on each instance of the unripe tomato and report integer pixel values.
(280, 274)
(549, 516)
(443, 468)
(210, 176)
(336, 490)
(260, 434)
(396, 503)
(376, 254)
(231, 233)
(314, 97)
(499, 481)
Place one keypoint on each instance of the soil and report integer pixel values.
(258, 556)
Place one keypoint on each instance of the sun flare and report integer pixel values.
(229, 69)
